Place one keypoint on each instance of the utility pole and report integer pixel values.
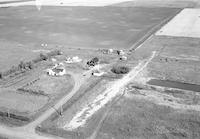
(8, 114)
(60, 113)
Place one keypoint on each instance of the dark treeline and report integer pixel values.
(23, 66)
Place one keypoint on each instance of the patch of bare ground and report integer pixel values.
(185, 24)
(12, 53)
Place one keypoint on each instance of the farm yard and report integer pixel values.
(40, 91)
(140, 109)
(30, 94)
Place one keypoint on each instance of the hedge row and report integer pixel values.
(14, 116)
(120, 70)
(23, 66)
(34, 92)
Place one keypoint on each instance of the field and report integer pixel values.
(80, 26)
(29, 31)
(178, 60)
(140, 118)
(10, 99)
(12, 53)
(185, 24)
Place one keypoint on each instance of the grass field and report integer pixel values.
(25, 29)
(137, 118)
(52, 86)
(11, 53)
(22, 103)
(92, 27)
(178, 59)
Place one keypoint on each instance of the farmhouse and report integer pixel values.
(98, 73)
(107, 51)
(56, 71)
(74, 59)
(120, 52)
(124, 58)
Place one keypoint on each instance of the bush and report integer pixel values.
(120, 70)
(36, 60)
(54, 53)
(29, 65)
(43, 57)
(13, 69)
(34, 92)
(93, 62)
(1, 75)
(22, 65)
(46, 56)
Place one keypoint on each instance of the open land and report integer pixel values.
(130, 70)
(27, 29)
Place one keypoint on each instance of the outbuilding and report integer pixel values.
(56, 71)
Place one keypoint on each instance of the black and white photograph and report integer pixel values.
(99, 69)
